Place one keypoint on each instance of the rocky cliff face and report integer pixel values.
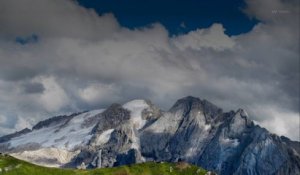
(193, 130)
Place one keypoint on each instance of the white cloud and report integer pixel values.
(213, 37)
(2, 119)
(5, 130)
(21, 124)
(279, 121)
(53, 18)
(54, 97)
(276, 11)
(83, 61)
(95, 93)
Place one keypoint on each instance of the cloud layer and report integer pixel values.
(80, 60)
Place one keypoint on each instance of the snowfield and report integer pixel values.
(66, 137)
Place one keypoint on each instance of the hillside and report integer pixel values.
(12, 166)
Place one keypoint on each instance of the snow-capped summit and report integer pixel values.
(193, 130)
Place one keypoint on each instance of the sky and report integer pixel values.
(64, 56)
(178, 17)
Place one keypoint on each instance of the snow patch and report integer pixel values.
(104, 137)
(207, 127)
(62, 136)
(168, 123)
(229, 142)
(136, 108)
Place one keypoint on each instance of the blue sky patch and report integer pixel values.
(178, 16)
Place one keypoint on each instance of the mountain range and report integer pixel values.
(192, 130)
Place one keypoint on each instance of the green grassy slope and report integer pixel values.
(12, 166)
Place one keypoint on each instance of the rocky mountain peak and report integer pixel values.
(239, 123)
(186, 103)
(112, 117)
(193, 105)
(242, 113)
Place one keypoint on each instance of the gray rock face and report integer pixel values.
(112, 117)
(193, 130)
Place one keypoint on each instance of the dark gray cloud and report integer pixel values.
(85, 61)
(32, 88)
